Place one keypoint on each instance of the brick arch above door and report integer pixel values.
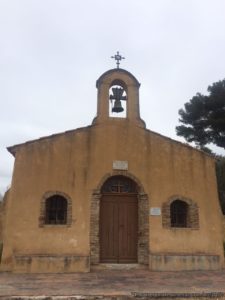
(121, 173)
(143, 220)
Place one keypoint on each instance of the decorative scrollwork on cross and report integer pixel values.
(118, 57)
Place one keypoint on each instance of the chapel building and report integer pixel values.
(112, 193)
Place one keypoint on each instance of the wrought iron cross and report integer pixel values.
(118, 57)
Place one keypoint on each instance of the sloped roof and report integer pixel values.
(13, 149)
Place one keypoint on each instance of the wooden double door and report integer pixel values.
(118, 228)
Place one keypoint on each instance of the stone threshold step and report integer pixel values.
(106, 266)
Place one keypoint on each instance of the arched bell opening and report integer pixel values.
(118, 99)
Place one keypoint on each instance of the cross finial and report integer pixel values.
(118, 57)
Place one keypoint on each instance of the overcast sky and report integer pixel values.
(52, 52)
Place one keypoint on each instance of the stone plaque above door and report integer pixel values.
(120, 165)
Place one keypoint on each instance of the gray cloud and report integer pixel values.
(52, 52)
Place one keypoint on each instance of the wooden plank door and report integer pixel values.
(118, 229)
(128, 225)
(109, 230)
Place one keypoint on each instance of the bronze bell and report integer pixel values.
(117, 107)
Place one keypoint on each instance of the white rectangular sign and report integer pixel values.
(120, 165)
(155, 211)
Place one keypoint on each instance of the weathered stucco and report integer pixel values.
(75, 162)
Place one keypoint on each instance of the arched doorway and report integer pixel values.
(118, 226)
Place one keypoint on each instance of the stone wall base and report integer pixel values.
(185, 262)
(72, 264)
(50, 264)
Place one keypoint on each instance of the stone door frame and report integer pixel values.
(143, 221)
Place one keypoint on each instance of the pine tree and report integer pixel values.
(203, 118)
(220, 173)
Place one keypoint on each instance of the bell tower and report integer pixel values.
(118, 97)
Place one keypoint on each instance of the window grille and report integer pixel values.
(119, 184)
(56, 210)
(178, 213)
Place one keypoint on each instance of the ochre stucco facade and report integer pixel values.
(75, 164)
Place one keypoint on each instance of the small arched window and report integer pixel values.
(56, 210)
(119, 184)
(178, 213)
